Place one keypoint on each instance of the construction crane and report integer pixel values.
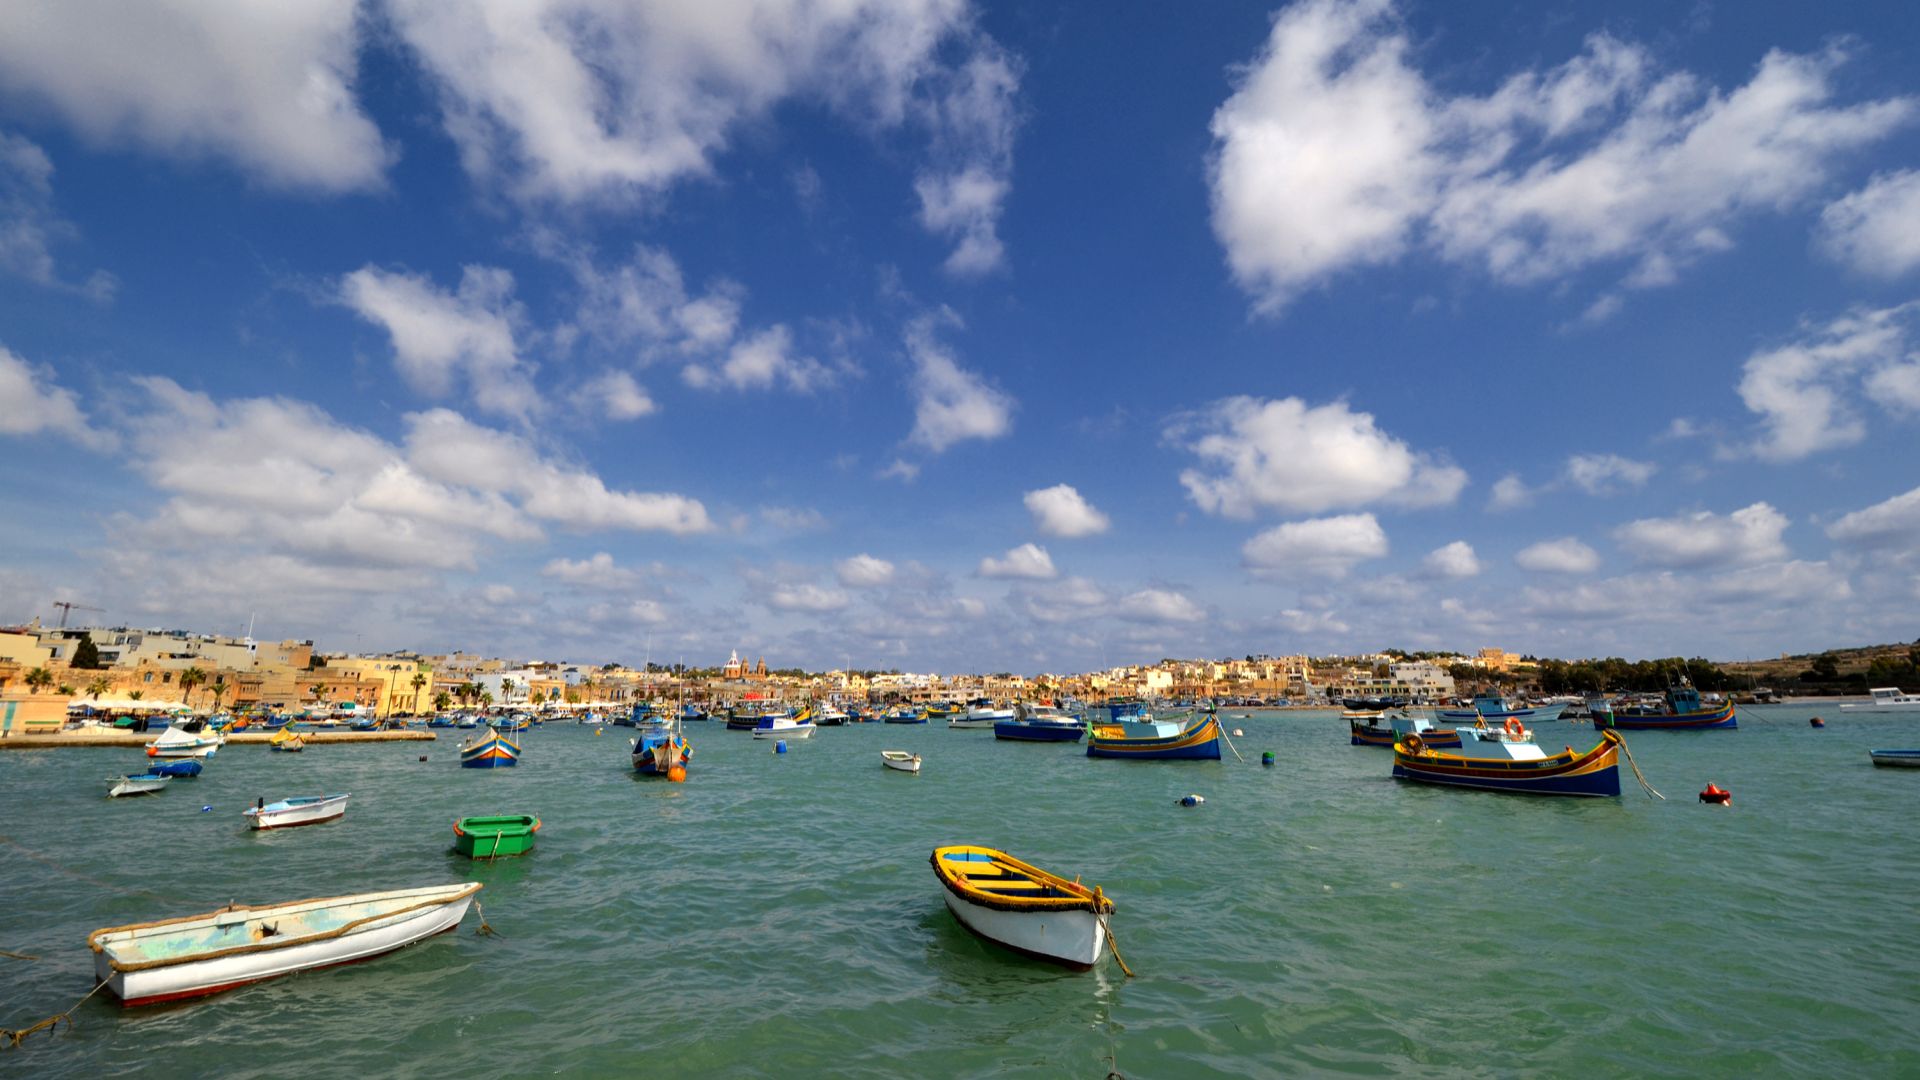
(67, 609)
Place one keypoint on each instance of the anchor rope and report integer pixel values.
(1636, 772)
(15, 1038)
(1111, 945)
(486, 928)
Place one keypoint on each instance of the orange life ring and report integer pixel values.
(1515, 728)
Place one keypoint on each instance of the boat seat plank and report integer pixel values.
(1012, 886)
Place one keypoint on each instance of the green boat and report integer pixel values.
(487, 837)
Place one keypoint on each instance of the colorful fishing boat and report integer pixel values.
(491, 837)
(900, 760)
(173, 959)
(1898, 759)
(1125, 708)
(146, 783)
(904, 714)
(298, 810)
(1681, 710)
(178, 768)
(494, 750)
(1493, 708)
(287, 742)
(1022, 907)
(1498, 760)
(941, 710)
(1157, 740)
(660, 748)
(1385, 729)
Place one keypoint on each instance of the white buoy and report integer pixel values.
(1238, 734)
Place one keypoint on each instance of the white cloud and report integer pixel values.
(29, 226)
(1603, 474)
(1282, 454)
(1029, 561)
(951, 404)
(1322, 547)
(761, 362)
(1455, 560)
(1876, 230)
(1061, 511)
(440, 338)
(1159, 605)
(1563, 556)
(864, 571)
(1884, 524)
(1747, 536)
(1803, 390)
(793, 518)
(599, 569)
(1509, 492)
(806, 597)
(266, 86)
(33, 403)
(1335, 153)
(617, 396)
(648, 612)
(973, 120)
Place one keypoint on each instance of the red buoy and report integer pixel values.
(1716, 794)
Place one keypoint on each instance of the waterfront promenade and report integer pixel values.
(82, 737)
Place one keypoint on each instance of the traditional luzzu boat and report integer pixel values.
(1385, 729)
(1506, 759)
(660, 748)
(1021, 906)
(1899, 759)
(1492, 708)
(904, 714)
(148, 963)
(297, 810)
(146, 783)
(494, 750)
(287, 742)
(490, 837)
(1682, 711)
(1157, 740)
(900, 760)
(941, 710)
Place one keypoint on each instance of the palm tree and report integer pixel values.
(218, 688)
(441, 700)
(39, 679)
(486, 699)
(136, 695)
(507, 687)
(319, 692)
(189, 679)
(65, 690)
(419, 681)
(97, 686)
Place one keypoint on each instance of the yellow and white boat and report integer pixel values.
(1023, 907)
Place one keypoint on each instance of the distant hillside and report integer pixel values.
(1836, 671)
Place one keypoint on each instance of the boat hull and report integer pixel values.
(495, 751)
(1896, 759)
(1360, 734)
(314, 813)
(972, 721)
(1720, 719)
(797, 731)
(149, 784)
(175, 981)
(1198, 741)
(488, 838)
(1072, 938)
(900, 761)
(658, 755)
(1595, 773)
(1019, 731)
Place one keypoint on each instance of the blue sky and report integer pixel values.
(950, 336)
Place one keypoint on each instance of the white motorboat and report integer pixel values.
(783, 727)
(1886, 699)
(147, 783)
(981, 713)
(191, 739)
(299, 810)
(1021, 906)
(900, 759)
(148, 963)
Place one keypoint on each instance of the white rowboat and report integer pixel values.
(900, 759)
(1021, 906)
(148, 963)
(144, 784)
(299, 810)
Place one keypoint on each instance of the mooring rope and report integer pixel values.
(1636, 772)
(486, 928)
(14, 1038)
(11, 955)
(1229, 742)
(1111, 945)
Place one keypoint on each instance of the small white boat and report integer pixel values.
(783, 727)
(900, 759)
(148, 963)
(191, 739)
(1021, 906)
(146, 783)
(299, 810)
(981, 713)
(1886, 699)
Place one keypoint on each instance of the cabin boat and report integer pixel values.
(1125, 708)
(750, 718)
(1899, 759)
(828, 715)
(1022, 907)
(298, 810)
(172, 959)
(494, 750)
(901, 760)
(146, 783)
(1886, 699)
(1040, 723)
(1384, 729)
(1501, 759)
(785, 727)
(1681, 710)
(191, 738)
(1493, 708)
(980, 713)
(1157, 740)
(491, 837)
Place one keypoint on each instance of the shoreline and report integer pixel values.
(141, 739)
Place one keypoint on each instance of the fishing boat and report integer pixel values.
(1680, 710)
(298, 810)
(517, 722)
(829, 715)
(1022, 907)
(146, 783)
(468, 723)
(447, 720)
(494, 750)
(1385, 729)
(980, 713)
(904, 714)
(660, 748)
(941, 710)
(901, 760)
(1899, 759)
(1502, 759)
(1125, 708)
(1493, 708)
(692, 712)
(749, 718)
(173, 959)
(1885, 699)
(287, 742)
(490, 837)
(177, 768)
(786, 727)
(1157, 740)
(1373, 704)
(190, 739)
(1040, 723)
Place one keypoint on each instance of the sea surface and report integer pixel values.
(775, 916)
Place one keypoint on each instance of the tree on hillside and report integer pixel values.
(189, 679)
(86, 655)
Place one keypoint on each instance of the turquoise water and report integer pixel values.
(775, 915)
